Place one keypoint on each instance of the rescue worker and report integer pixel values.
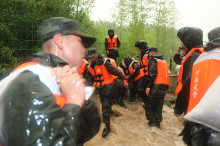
(120, 89)
(119, 85)
(135, 75)
(112, 44)
(34, 110)
(202, 126)
(157, 85)
(126, 93)
(191, 38)
(102, 71)
(142, 47)
(83, 71)
(125, 69)
(143, 56)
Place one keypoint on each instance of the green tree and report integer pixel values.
(21, 18)
(150, 20)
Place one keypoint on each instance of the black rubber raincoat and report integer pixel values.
(183, 96)
(30, 115)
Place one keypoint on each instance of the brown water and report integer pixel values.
(130, 128)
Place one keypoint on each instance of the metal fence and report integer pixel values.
(18, 35)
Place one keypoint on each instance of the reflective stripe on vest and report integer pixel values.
(162, 72)
(179, 79)
(82, 68)
(43, 73)
(144, 63)
(204, 72)
(112, 43)
(131, 71)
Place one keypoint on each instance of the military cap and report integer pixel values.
(65, 26)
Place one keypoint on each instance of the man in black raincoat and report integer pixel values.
(157, 83)
(102, 71)
(34, 110)
(202, 132)
(191, 38)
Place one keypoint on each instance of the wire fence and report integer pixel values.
(18, 34)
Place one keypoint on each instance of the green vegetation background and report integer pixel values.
(152, 20)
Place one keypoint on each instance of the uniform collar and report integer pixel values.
(47, 59)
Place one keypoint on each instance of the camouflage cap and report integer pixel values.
(65, 26)
(91, 53)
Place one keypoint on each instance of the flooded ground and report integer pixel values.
(129, 128)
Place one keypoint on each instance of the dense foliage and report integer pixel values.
(150, 20)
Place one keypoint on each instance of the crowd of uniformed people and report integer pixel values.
(147, 78)
(43, 100)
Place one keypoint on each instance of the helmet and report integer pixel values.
(110, 30)
(191, 35)
(214, 34)
(152, 49)
(142, 44)
(128, 60)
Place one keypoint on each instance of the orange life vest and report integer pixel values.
(206, 69)
(45, 77)
(101, 75)
(162, 72)
(82, 68)
(179, 79)
(122, 71)
(144, 63)
(112, 43)
(131, 71)
(112, 61)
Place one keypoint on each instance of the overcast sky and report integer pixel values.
(204, 14)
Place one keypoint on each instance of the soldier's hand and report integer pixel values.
(179, 49)
(147, 91)
(107, 52)
(125, 83)
(72, 87)
(59, 72)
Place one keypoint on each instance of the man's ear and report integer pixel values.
(58, 40)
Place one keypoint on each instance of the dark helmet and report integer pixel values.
(214, 39)
(128, 60)
(110, 30)
(152, 49)
(214, 34)
(192, 35)
(142, 44)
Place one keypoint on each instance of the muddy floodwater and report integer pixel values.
(129, 128)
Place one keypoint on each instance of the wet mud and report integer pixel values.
(129, 128)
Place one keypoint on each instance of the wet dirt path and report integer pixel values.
(129, 128)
